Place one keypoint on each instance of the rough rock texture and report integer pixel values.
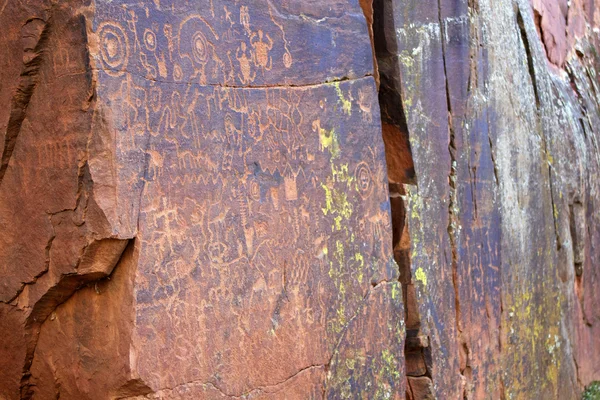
(194, 203)
(502, 104)
(194, 199)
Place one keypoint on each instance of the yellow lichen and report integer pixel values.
(421, 276)
(346, 104)
(328, 140)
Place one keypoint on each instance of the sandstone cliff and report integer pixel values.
(299, 199)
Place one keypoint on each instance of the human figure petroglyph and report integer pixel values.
(246, 76)
(228, 16)
(245, 19)
(132, 20)
(262, 44)
(164, 219)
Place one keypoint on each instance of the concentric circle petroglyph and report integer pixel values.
(364, 180)
(254, 190)
(114, 48)
(199, 47)
(150, 40)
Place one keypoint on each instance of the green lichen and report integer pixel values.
(336, 203)
(328, 200)
(395, 292)
(592, 391)
(360, 259)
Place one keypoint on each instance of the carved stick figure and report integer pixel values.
(245, 18)
(246, 76)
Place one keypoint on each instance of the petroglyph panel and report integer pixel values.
(264, 221)
(264, 218)
(251, 43)
(238, 145)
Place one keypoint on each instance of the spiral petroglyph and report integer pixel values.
(114, 48)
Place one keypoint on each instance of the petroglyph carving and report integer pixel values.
(155, 163)
(364, 180)
(291, 189)
(245, 75)
(245, 18)
(114, 48)
(195, 46)
(287, 55)
(202, 132)
(262, 44)
(365, 102)
(150, 40)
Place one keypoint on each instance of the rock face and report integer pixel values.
(299, 199)
(195, 203)
(500, 274)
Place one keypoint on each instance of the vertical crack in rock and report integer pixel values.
(577, 230)
(417, 353)
(367, 7)
(530, 65)
(34, 38)
(531, 69)
(453, 214)
(393, 118)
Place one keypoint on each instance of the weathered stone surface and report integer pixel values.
(194, 199)
(502, 223)
(209, 216)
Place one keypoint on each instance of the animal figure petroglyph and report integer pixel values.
(262, 44)
(155, 163)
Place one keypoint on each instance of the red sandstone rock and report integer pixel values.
(206, 214)
(194, 199)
